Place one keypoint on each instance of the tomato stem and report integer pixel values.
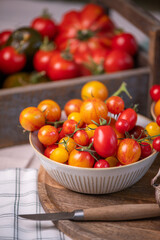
(122, 88)
(56, 123)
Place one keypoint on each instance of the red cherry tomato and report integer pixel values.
(156, 144)
(118, 60)
(129, 151)
(158, 120)
(130, 116)
(11, 61)
(138, 132)
(122, 125)
(60, 67)
(4, 36)
(73, 105)
(146, 149)
(115, 104)
(155, 92)
(45, 26)
(105, 141)
(48, 150)
(101, 163)
(126, 42)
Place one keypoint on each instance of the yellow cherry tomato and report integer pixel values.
(67, 143)
(77, 117)
(94, 89)
(153, 129)
(90, 129)
(112, 161)
(157, 108)
(59, 155)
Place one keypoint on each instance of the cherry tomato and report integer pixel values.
(129, 151)
(31, 119)
(152, 129)
(155, 92)
(94, 89)
(11, 61)
(146, 149)
(122, 125)
(80, 159)
(138, 132)
(68, 143)
(61, 133)
(51, 110)
(90, 129)
(158, 120)
(72, 105)
(115, 104)
(81, 138)
(48, 135)
(112, 161)
(92, 110)
(118, 60)
(157, 108)
(113, 125)
(105, 141)
(130, 116)
(126, 42)
(4, 35)
(69, 126)
(101, 163)
(49, 149)
(44, 25)
(77, 117)
(156, 144)
(59, 155)
(62, 67)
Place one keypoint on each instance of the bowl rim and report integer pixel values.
(92, 169)
(152, 110)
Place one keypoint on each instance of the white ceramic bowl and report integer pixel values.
(152, 111)
(91, 180)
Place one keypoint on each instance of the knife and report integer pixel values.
(107, 213)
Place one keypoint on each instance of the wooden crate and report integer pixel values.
(139, 80)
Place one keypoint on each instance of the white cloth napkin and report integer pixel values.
(18, 195)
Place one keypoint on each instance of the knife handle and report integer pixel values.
(122, 212)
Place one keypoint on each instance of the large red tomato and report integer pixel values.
(61, 67)
(85, 30)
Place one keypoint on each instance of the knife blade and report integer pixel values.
(108, 213)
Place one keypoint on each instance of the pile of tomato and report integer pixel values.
(98, 131)
(83, 43)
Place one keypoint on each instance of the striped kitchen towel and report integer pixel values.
(18, 195)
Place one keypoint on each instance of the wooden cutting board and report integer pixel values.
(55, 198)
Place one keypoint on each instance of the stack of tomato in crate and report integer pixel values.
(83, 43)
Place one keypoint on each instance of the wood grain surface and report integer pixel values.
(56, 198)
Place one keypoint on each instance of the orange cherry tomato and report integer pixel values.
(80, 159)
(59, 155)
(153, 129)
(73, 105)
(92, 110)
(67, 143)
(90, 129)
(48, 135)
(81, 138)
(31, 119)
(112, 161)
(51, 110)
(77, 117)
(157, 108)
(94, 89)
(129, 151)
